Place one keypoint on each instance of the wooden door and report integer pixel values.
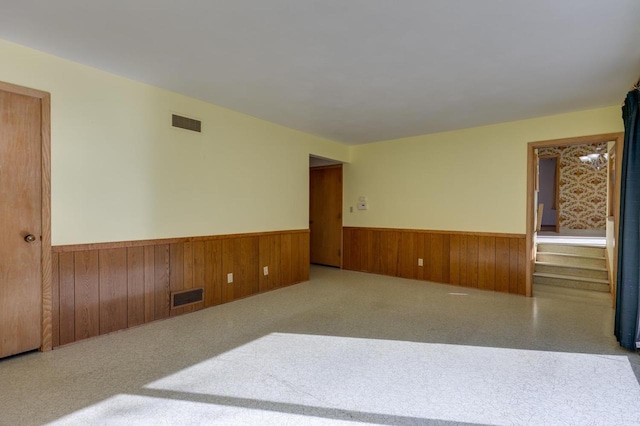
(20, 223)
(325, 215)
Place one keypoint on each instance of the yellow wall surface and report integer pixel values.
(466, 180)
(121, 172)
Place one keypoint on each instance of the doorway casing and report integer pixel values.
(45, 133)
(618, 138)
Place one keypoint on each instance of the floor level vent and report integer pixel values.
(186, 123)
(186, 297)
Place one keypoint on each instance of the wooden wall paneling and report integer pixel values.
(297, 257)
(135, 286)
(502, 265)
(162, 287)
(149, 284)
(464, 265)
(446, 278)
(366, 238)
(513, 265)
(286, 267)
(188, 274)
(486, 263)
(374, 248)
(407, 259)
(304, 260)
(269, 256)
(355, 249)
(87, 294)
(472, 260)
(522, 267)
(454, 256)
(247, 262)
(67, 298)
(113, 290)
(428, 257)
(346, 248)
(240, 257)
(390, 262)
(213, 272)
(199, 271)
(419, 253)
(176, 272)
(55, 299)
(437, 258)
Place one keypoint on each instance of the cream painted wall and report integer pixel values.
(121, 172)
(466, 180)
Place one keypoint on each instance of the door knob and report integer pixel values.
(30, 238)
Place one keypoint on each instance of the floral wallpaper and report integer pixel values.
(583, 190)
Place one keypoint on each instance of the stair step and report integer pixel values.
(583, 250)
(571, 282)
(575, 271)
(572, 260)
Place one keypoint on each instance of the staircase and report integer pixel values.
(573, 266)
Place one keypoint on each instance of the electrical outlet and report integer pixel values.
(420, 262)
(265, 270)
(230, 277)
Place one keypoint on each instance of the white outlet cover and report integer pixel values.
(266, 270)
(420, 262)
(230, 277)
(362, 206)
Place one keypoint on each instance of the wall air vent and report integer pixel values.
(186, 123)
(186, 297)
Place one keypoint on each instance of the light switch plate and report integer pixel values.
(230, 277)
(265, 270)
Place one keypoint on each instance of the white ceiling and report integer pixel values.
(354, 71)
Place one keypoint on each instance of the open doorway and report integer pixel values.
(325, 211)
(549, 193)
(584, 214)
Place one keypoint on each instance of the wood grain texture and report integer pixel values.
(55, 299)
(213, 272)
(87, 295)
(176, 273)
(100, 291)
(45, 194)
(471, 260)
(21, 273)
(486, 263)
(135, 286)
(325, 215)
(269, 257)
(67, 298)
(162, 289)
(113, 289)
(149, 284)
(502, 265)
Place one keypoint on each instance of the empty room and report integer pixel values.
(319, 212)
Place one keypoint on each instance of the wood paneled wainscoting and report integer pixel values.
(481, 260)
(100, 288)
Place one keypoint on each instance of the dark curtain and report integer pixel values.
(627, 328)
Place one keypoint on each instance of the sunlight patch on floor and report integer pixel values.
(280, 377)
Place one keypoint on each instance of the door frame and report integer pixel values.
(532, 175)
(333, 166)
(45, 193)
(556, 186)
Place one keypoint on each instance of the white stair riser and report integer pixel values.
(574, 271)
(580, 250)
(571, 283)
(571, 260)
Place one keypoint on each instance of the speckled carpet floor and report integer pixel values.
(344, 348)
